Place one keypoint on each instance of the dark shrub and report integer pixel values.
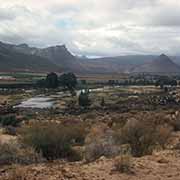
(52, 80)
(68, 81)
(13, 153)
(143, 135)
(51, 139)
(10, 130)
(84, 99)
(9, 120)
(123, 164)
(102, 102)
(100, 142)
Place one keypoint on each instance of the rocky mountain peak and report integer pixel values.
(23, 45)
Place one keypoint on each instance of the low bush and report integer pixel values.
(12, 153)
(84, 100)
(9, 120)
(176, 121)
(143, 135)
(10, 130)
(163, 133)
(123, 164)
(100, 142)
(89, 115)
(52, 140)
(17, 173)
(78, 133)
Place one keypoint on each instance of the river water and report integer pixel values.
(42, 102)
(37, 102)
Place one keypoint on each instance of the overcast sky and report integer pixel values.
(94, 27)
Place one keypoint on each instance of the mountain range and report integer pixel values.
(57, 58)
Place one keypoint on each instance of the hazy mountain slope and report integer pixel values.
(11, 60)
(162, 64)
(176, 59)
(58, 55)
(115, 64)
(57, 58)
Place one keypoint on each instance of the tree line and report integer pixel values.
(68, 81)
(52, 81)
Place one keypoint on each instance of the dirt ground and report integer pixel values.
(162, 166)
(3, 99)
(5, 138)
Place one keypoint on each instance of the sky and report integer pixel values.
(94, 27)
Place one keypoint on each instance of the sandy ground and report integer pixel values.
(3, 98)
(163, 165)
(5, 138)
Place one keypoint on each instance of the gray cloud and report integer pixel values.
(5, 15)
(168, 16)
(100, 27)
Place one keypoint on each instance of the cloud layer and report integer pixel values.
(94, 27)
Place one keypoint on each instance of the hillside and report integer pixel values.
(162, 64)
(119, 64)
(11, 60)
(58, 55)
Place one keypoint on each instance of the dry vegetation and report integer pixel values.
(123, 164)
(125, 127)
(13, 153)
(53, 140)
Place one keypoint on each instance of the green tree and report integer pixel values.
(84, 99)
(83, 82)
(173, 82)
(166, 82)
(102, 102)
(68, 80)
(52, 80)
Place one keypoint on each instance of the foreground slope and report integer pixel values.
(163, 165)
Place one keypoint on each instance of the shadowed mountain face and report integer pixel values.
(11, 60)
(59, 59)
(58, 55)
(163, 64)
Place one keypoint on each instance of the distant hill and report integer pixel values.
(119, 64)
(162, 64)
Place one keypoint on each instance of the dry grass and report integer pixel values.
(53, 140)
(17, 173)
(123, 164)
(13, 153)
(144, 134)
(100, 142)
(3, 99)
